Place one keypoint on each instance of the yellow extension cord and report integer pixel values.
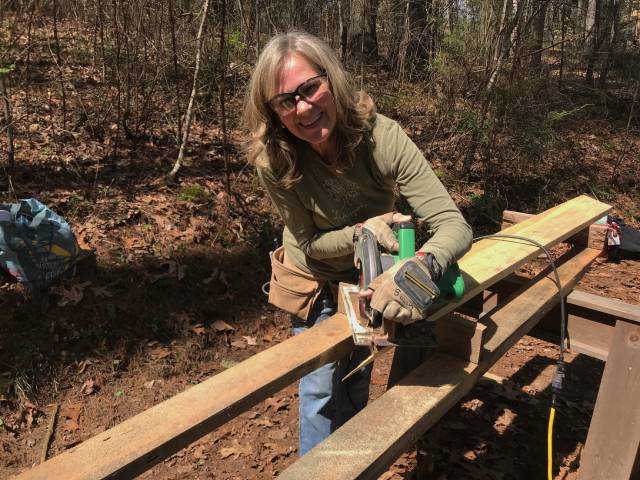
(552, 415)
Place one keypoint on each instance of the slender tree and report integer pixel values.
(194, 88)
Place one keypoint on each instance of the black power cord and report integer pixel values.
(556, 383)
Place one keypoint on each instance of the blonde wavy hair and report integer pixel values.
(270, 144)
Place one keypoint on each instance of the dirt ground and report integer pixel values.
(497, 431)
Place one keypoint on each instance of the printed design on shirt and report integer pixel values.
(347, 197)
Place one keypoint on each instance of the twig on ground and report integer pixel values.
(49, 434)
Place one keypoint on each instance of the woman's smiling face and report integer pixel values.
(312, 119)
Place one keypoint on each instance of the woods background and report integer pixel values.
(496, 80)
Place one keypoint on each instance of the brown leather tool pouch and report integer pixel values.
(291, 289)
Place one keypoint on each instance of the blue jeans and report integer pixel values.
(326, 402)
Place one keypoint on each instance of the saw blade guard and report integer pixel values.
(367, 261)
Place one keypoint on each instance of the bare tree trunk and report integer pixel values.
(628, 142)
(372, 25)
(344, 10)
(590, 17)
(452, 13)
(116, 35)
(538, 42)
(503, 41)
(256, 34)
(187, 118)
(398, 13)
(503, 46)
(562, 46)
(610, 36)
(8, 122)
(59, 64)
(222, 59)
(591, 37)
(174, 50)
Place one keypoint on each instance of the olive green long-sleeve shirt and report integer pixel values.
(320, 212)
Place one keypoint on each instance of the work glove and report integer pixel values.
(405, 292)
(380, 226)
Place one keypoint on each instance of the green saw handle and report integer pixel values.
(451, 284)
(406, 234)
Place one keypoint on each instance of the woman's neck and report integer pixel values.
(326, 150)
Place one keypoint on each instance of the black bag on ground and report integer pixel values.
(623, 241)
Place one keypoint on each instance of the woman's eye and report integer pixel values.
(310, 88)
(287, 102)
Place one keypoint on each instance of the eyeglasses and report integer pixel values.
(285, 103)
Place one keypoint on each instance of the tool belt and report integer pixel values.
(291, 289)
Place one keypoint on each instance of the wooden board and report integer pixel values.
(491, 260)
(146, 439)
(137, 444)
(461, 338)
(366, 445)
(609, 306)
(590, 318)
(594, 237)
(611, 450)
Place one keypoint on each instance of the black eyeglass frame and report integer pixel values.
(294, 94)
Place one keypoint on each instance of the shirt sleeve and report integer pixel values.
(400, 159)
(313, 242)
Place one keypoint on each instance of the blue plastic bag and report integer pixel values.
(36, 245)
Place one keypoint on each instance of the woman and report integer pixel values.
(330, 164)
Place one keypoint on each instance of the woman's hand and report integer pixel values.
(406, 291)
(380, 226)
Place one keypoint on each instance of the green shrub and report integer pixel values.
(194, 194)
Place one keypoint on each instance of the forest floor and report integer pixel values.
(172, 295)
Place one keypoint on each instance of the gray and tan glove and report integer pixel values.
(380, 226)
(405, 292)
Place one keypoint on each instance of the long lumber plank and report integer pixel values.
(140, 442)
(594, 236)
(490, 260)
(366, 445)
(609, 306)
(590, 318)
(146, 439)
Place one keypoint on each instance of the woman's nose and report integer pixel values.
(302, 105)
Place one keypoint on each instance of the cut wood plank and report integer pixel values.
(367, 444)
(595, 235)
(137, 444)
(461, 338)
(613, 442)
(610, 306)
(591, 321)
(491, 260)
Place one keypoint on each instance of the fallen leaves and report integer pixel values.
(28, 413)
(222, 326)
(160, 353)
(277, 404)
(198, 329)
(171, 269)
(237, 449)
(239, 344)
(90, 386)
(251, 341)
(101, 292)
(72, 295)
(71, 415)
(149, 384)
